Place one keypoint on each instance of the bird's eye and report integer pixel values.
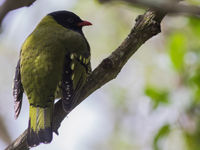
(70, 20)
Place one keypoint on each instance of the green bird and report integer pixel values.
(54, 63)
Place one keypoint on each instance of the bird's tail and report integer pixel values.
(40, 125)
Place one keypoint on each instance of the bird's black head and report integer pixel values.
(69, 20)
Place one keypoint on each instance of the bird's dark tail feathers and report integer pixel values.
(40, 125)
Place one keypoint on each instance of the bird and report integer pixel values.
(54, 62)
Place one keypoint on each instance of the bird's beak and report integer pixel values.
(84, 23)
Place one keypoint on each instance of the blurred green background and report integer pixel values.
(153, 104)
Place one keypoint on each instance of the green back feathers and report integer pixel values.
(43, 61)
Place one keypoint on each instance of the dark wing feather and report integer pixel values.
(67, 85)
(17, 91)
(74, 76)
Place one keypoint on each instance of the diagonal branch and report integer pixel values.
(9, 5)
(147, 25)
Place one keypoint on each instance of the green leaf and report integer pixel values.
(177, 50)
(192, 139)
(163, 132)
(157, 95)
(195, 25)
(193, 2)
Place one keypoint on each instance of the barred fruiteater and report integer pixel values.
(54, 62)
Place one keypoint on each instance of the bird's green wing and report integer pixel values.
(74, 77)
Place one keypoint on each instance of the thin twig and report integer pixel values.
(169, 6)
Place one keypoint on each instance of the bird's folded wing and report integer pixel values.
(74, 77)
(17, 91)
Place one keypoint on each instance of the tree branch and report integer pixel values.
(147, 25)
(169, 6)
(166, 6)
(9, 5)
